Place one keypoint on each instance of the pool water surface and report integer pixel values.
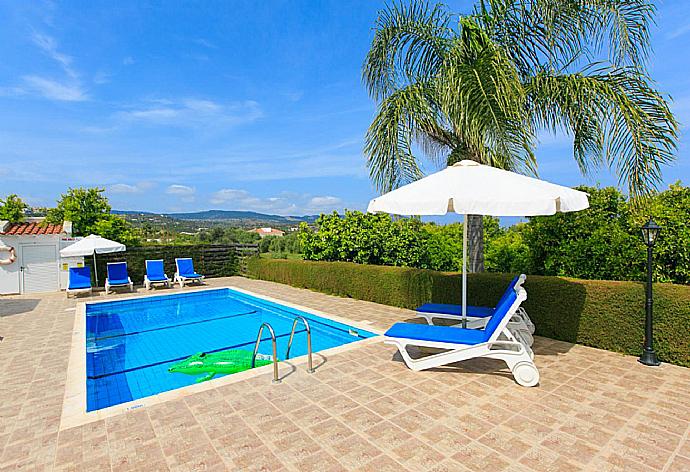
(130, 344)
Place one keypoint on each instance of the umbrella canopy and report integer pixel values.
(470, 188)
(92, 245)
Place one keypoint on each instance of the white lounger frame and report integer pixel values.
(109, 286)
(77, 291)
(503, 344)
(150, 283)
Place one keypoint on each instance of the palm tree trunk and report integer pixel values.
(475, 243)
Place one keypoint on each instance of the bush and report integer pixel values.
(604, 314)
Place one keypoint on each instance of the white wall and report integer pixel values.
(10, 275)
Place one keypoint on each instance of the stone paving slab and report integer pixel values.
(362, 410)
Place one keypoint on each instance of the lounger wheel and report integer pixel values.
(526, 374)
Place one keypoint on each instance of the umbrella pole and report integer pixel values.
(95, 269)
(464, 273)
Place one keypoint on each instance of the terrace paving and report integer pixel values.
(362, 409)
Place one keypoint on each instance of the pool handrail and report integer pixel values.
(310, 368)
(275, 351)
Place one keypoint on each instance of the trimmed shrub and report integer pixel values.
(598, 313)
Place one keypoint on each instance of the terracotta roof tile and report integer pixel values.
(16, 229)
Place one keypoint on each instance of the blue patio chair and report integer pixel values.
(185, 271)
(79, 280)
(494, 341)
(155, 274)
(118, 277)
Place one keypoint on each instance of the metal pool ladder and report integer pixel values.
(275, 352)
(310, 368)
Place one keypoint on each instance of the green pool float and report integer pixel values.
(223, 362)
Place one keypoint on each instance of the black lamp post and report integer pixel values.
(650, 231)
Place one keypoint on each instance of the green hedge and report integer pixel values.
(603, 314)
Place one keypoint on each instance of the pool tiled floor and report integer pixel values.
(362, 410)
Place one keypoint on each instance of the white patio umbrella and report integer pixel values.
(469, 188)
(92, 245)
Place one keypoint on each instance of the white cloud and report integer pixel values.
(123, 188)
(139, 187)
(181, 190)
(55, 90)
(192, 112)
(50, 48)
(285, 203)
(325, 201)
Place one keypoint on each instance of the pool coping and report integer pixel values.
(74, 402)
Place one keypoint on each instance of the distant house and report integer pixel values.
(263, 232)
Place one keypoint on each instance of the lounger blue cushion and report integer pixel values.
(448, 309)
(474, 311)
(451, 334)
(155, 271)
(440, 334)
(185, 267)
(117, 273)
(79, 278)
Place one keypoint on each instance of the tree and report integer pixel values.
(12, 208)
(89, 211)
(481, 89)
(118, 229)
(84, 207)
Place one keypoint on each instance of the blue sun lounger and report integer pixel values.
(494, 341)
(118, 277)
(185, 272)
(79, 280)
(155, 274)
(477, 316)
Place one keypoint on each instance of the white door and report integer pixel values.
(40, 269)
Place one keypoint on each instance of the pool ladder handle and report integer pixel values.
(275, 352)
(310, 368)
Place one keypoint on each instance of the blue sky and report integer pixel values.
(243, 105)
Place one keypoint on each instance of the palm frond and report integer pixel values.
(409, 44)
(616, 116)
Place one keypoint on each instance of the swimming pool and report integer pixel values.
(130, 344)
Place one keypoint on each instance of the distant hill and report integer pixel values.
(241, 218)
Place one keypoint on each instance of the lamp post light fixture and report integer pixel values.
(650, 232)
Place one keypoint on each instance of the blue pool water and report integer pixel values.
(131, 343)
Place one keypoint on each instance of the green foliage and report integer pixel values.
(670, 210)
(12, 209)
(506, 251)
(365, 239)
(601, 242)
(117, 229)
(603, 314)
(219, 235)
(89, 211)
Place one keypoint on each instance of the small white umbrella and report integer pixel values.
(92, 245)
(469, 188)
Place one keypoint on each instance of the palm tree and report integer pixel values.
(480, 86)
